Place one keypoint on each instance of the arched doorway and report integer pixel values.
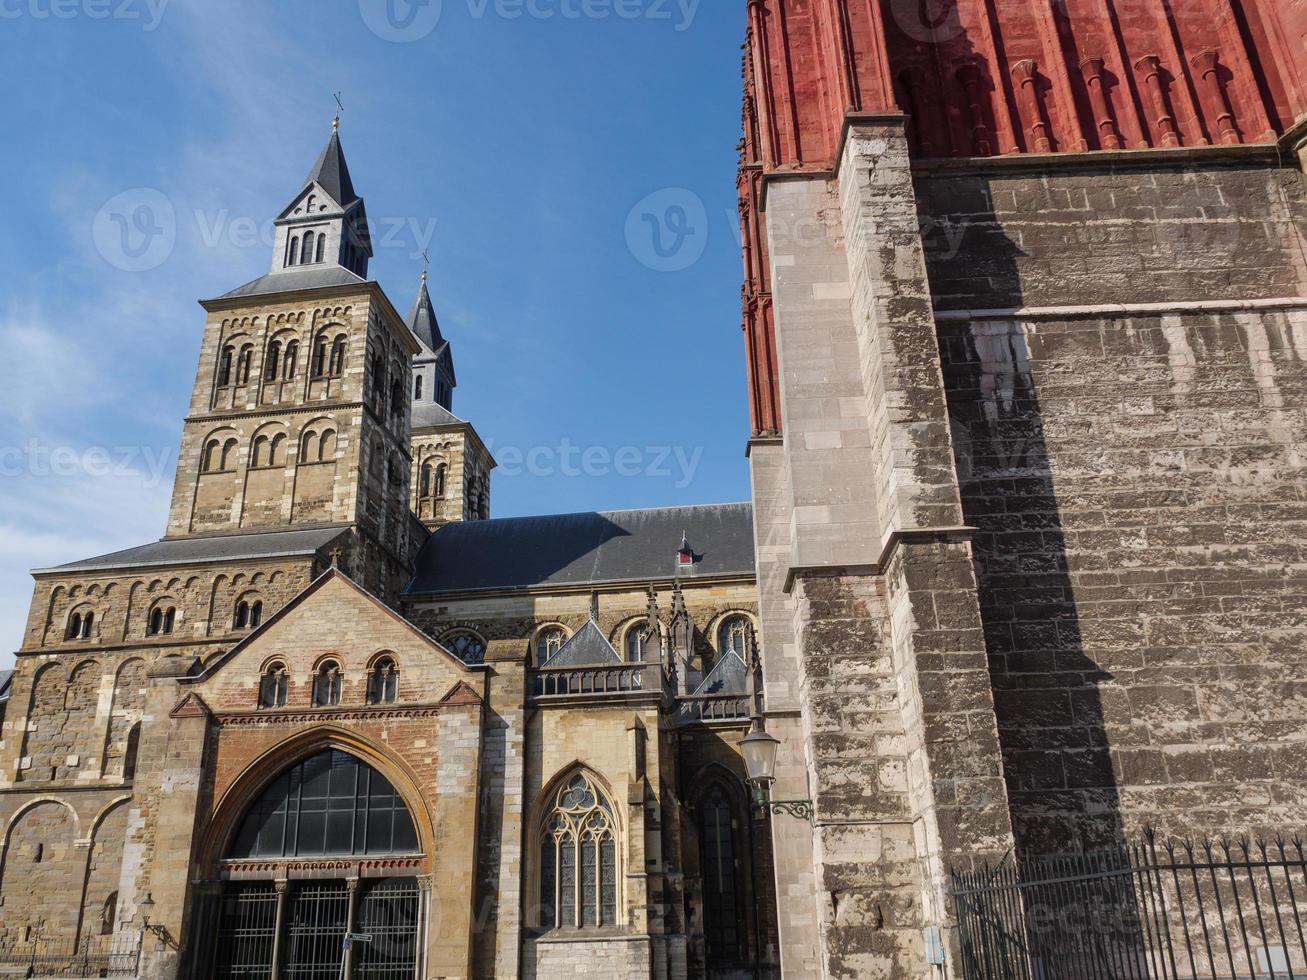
(328, 848)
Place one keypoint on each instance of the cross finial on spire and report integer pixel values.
(426, 263)
(340, 107)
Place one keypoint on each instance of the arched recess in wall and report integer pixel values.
(61, 718)
(247, 789)
(128, 706)
(315, 472)
(104, 869)
(37, 862)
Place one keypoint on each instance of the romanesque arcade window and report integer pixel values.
(549, 641)
(274, 685)
(248, 614)
(732, 635)
(161, 621)
(329, 804)
(578, 858)
(327, 684)
(465, 645)
(383, 681)
(79, 626)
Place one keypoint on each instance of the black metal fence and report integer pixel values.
(1143, 911)
(99, 956)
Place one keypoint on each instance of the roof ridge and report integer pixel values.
(602, 513)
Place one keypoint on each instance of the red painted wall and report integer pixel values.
(987, 77)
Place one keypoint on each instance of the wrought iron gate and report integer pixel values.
(388, 912)
(1174, 911)
(246, 929)
(316, 918)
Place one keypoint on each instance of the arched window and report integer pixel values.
(417, 388)
(225, 366)
(723, 903)
(578, 858)
(465, 645)
(243, 364)
(130, 753)
(327, 446)
(548, 642)
(274, 686)
(424, 481)
(79, 626)
(320, 357)
(308, 247)
(327, 684)
(249, 613)
(277, 450)
(293, 256)
(271, 361)
(212, 457)
(292, 355)
(732, 635)
(439, 489)
(383, 681)
(635, 643)
(161, 620)
(322, 247)
(396, 398)
(337, 365)
(259, 454)
(329, 804)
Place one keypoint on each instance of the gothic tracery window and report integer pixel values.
(720, 854)
(635, 643)
(732, 635)
(578, 858)
(548, 642)
(465, 645)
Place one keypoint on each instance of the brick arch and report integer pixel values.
(245, 789)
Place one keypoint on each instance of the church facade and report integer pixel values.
(336, 698)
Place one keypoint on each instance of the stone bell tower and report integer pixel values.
(300, 412)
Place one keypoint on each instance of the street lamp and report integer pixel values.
(146, 908)
(759, 750)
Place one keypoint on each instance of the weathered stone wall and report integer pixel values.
(1137, 480)
(561, 959)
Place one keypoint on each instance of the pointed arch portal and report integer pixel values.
(271, 920)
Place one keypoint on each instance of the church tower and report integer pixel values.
(451, 465)
(300, 415)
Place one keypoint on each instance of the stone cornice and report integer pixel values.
(265, 716)
(921, 535)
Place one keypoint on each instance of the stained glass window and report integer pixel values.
(720, 887)
(578, 858)
(466, 645)
(549, 642)
(330, 803)
(731, 635)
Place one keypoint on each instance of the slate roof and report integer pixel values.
(422, 321)
(579, 549)
(297, 279)
(226, 547)
(587, 647)
(728, 676)
(332, 173)
(432, 413)
(5, 677)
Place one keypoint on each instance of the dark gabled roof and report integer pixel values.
(297, 279)
(226, 547)
(580, 549)
(422, 321)
(587, 647)
(728, 676)
(428, 414)
(332, 173)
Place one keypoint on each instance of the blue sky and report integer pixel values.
(568, 164)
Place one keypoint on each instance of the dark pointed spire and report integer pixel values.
(422, 320)
(332, 173)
